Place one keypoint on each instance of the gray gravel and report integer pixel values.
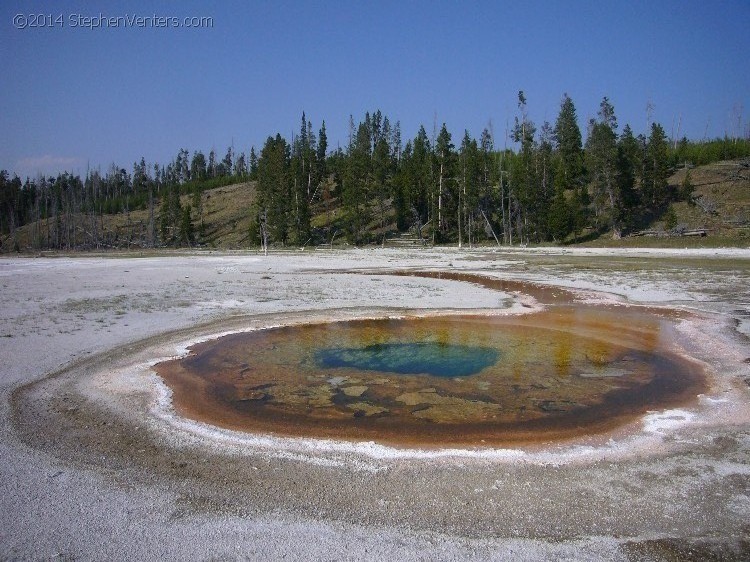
(92, 469)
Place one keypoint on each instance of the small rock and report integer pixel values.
(362, 409)
(354, 391)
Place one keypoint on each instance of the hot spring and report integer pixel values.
(439, 381)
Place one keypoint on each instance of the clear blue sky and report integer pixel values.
(76, 96)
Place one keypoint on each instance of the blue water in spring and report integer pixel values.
(430, 358)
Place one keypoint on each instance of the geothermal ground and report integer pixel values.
(98, 462)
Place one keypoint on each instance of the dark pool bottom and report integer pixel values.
(567, 372)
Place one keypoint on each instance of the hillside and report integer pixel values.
(722, 196)
(226, 223)
(721, 193)
(722, 208)
(226, 215)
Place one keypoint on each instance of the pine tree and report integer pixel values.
(687, 189)
(322, 151)
(489, 180)
(656, 170)
(198, 167)
(253, 164)
(402, 190)
(187, 235)
(181, 167)
(523, 179)
(302, 170)
(545, 182)
(382, 177)
(445, 158)
(170, 214)
(395, 142)
(240, 166)
(274, 188)
(469, 179)
(376, 127)
(560, 224)
(311, 156)
(211, 168)
(579, 210)
(225, 168)
(601, 161)
(567, 134)
(418, 196)
(356, 191)
(627, 165)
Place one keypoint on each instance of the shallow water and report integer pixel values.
(439, 380)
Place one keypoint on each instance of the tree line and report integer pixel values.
(550, 186)
(67, 211)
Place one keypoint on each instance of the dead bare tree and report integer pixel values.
(263, 225)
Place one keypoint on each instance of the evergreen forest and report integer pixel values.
(539, 183)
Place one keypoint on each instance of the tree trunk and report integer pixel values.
(440, 198)
(460, 242)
